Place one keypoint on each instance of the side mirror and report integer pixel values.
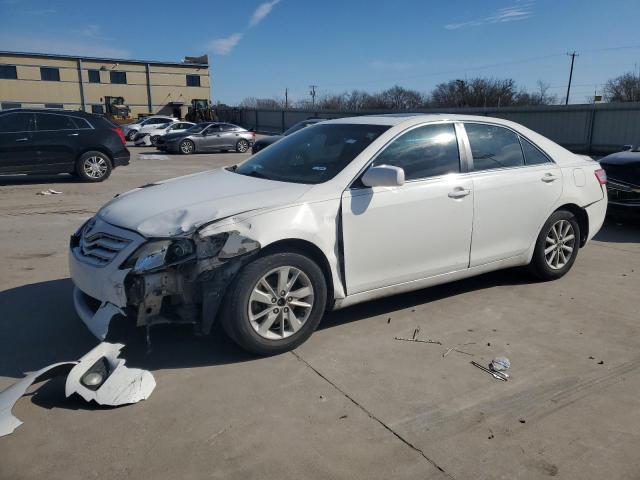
(383, 176)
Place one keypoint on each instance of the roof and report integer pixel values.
(414, 118)
(48, 110)
(102, 59)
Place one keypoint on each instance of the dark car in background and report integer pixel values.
(623, 174)
(208, 136)
(266, 141)
(39, 141)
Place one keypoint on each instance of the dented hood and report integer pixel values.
(180, 205)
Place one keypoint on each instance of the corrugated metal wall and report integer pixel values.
(599, 128)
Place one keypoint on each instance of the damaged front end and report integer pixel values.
(151, 281)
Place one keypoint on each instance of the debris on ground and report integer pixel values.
(497, 375)
(51, 191)
(436, 342)
(10, 395)
(99, 375)
(499, 364)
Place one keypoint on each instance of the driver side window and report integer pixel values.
(426, 151)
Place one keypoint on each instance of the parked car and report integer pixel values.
(146, 124)
(330, 216)
(150, 137)
(623, 173)
(208, 136)
(59, 141)
(264, 142)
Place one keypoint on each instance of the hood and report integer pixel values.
(183, 204)
(623, 167)
(268, 140)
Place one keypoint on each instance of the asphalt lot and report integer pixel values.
(350, 403)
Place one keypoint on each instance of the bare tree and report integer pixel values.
(625, 88)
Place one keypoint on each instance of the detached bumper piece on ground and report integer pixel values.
(99, 376)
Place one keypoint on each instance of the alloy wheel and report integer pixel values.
(559, 244)
(243, 146)
(95, 167)
(280, 303)
(186, 147)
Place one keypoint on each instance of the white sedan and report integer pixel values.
(336, 214)
(150, 135)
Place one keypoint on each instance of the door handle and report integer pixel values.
(72, 135)
(549, 177)
(459, 192)
(21, 139)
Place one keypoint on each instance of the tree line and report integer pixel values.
(474, 92)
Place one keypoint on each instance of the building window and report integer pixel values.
(118, 77)
(94, 76)
(50, 74)
(193, 80)
(59, 106)
(98, 109)
(8, 105)
(8, 72)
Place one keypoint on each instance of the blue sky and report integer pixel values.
(258, 48)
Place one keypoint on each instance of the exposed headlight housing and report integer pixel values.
(159, 254)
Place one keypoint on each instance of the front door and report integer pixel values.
(393, 235)
(211, 138)
(17, 150)
(515, 188)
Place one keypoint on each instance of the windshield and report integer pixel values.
(313, 155)
(295, 128)
(197, 128)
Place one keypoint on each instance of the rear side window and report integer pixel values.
(493, 147)
(532, 155)
(48, 122)
(427, 151)
(16, 122)
(225, 127)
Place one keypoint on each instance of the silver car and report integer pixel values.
(208, 136)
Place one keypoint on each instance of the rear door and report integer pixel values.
(17, 150)
(515, 188)
(57, 138)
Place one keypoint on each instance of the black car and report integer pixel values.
(623, 175)
(60, 141)
(266, 141)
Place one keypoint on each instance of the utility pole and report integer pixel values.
(573, 56)
(286, 98)
(312, 92)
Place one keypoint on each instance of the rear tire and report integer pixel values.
(259, 318)
(131, 134)
(187, 147)
(556, 247)
(242, 146)
(154, 140)
(93, 167)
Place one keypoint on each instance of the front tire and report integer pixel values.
(275, 303)
(93, 167)
(242, 146)
(557, 246)
(187, 147)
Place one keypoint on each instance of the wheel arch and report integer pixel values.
(309, 249)
(582, 218)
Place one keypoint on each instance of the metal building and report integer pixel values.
(88, 83)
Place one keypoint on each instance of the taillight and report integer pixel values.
(601, 175)
(120, 133)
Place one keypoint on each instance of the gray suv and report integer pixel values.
(208, 136)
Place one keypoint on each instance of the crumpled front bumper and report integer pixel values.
(99, 292)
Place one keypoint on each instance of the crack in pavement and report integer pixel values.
(372, 416)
